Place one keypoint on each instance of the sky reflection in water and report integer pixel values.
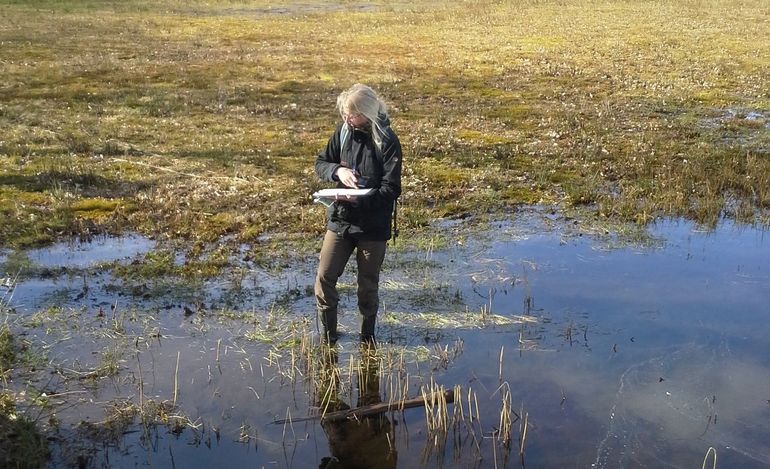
(666, 356)
(641, 356)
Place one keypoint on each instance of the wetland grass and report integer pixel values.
(21, 442)
(436, 419)
(523, 427)
(506, 107)
(7, 351)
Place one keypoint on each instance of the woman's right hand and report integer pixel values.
(347, 177)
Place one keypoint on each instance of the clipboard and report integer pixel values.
(327, 197)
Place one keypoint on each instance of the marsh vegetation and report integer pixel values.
(198, 122)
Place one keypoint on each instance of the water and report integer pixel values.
(665, 341)
(85, 254)
(639, 352)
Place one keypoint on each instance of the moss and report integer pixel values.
(95, 208)
(524, 195)
(512, 113)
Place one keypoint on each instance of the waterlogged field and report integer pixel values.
(158, 242)
(607, 351)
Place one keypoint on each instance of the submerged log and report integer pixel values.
(379, 408)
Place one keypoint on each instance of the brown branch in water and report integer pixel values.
(373, 409)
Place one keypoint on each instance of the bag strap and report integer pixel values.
(395, 221)
(344, 136)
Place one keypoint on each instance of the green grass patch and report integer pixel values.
(7, 350)
(21, 444)
(95, 208)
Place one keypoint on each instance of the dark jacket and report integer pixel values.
(371, 216)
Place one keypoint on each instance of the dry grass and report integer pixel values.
(199, 121)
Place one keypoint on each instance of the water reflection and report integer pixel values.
(640, 356)
(81, 254)
(354, 442)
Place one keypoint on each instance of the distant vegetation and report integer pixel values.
(199, 121)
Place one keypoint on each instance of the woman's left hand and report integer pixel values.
(348, 199)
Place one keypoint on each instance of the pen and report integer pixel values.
(360, 180)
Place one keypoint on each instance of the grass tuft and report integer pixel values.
(21, 445)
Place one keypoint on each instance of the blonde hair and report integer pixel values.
(361, 99)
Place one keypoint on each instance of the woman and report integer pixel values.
(363, 152)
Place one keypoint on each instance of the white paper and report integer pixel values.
(328, 196)
(332, 193)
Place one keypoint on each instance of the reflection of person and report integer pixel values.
(361, 443)
(363, 152)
